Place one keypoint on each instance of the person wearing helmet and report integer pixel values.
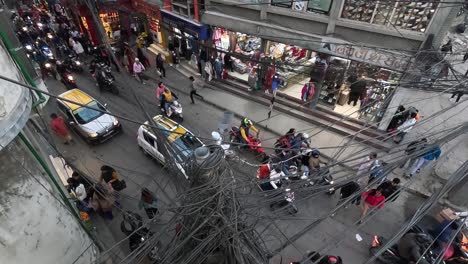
(300, 141)
(245, 127)
(412, 245)
(315, 160)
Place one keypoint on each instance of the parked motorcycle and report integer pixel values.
(176, 110)
(228, 153)
(132, 226)
(286, 202)
(391, 255)
(255, 145)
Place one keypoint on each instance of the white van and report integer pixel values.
(179, 136)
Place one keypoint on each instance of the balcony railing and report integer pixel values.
(403, 15)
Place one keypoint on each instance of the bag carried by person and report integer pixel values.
(119, 185)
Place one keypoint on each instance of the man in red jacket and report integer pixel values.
(60, 129)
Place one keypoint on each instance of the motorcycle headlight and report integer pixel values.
(142, 239)
(78, 63)
(331, 182)
(116, 122)
(39, 24)
(28, 47)
(50, 36)
(93, 135)
(47, 65)
(69, 77)
(24, 28)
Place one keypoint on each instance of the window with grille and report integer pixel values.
(405, 15)
(316, 6)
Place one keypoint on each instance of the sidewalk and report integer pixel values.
(279, 123)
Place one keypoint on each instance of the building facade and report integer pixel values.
(37, 225)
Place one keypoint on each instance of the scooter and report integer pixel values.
(68, 80)
(286, 202)
(391, 255)
(49, 69)
(314, 256)
(73, 64)
(175, 110)
(228, 153)
(255, 145)
(45, 50)
(106, 82)
(131, 226)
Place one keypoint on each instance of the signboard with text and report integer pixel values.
(379, 57)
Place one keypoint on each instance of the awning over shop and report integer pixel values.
(185, 25)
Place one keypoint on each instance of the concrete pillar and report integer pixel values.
(335, 13)
(442, 21)
(263, 10)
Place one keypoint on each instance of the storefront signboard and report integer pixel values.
(185, 25)
(379, 57)
(319, 5)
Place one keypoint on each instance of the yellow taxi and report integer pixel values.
(93, 125)
(180, 138)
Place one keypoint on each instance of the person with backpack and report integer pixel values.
(110, 176)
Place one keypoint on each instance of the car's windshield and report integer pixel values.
(187, 143)
(85, 115)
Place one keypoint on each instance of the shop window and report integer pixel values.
(319, 6)
(281, 3)
(316, 6)
(405, 15)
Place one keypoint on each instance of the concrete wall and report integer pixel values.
(36, 227)
(15, 101)
(455, 152)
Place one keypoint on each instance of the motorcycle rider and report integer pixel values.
(315, 161)
(244, 129)
(412, 245)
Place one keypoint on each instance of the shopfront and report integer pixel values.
(182, 33)
(152, 19)
(334, 66)
(247, 46)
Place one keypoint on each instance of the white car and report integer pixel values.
(179, 136)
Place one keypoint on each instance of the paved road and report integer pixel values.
(139, 170)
